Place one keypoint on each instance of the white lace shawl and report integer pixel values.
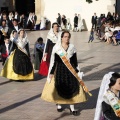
(103, 88)
(52, 37)
(56, 49)
(21, 43)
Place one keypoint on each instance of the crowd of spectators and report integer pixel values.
(108, 28)
(13, 21)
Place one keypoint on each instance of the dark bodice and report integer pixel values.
(49, 46)
(73, 61)
(108, 112)
(48, 49)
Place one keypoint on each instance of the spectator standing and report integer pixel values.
(94, 21)
(59, 19)
(75, 22)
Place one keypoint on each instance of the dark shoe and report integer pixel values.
(20, 81)
(75, 113)
(115, 44)
(60, 110)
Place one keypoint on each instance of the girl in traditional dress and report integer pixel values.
(108, 103)
(13, 35)
(52, 39)
(18, 66)
(64, 85)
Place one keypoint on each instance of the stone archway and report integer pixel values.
(25, 6)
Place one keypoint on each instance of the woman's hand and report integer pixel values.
(44, 57)
(15, 36)
(50, 78)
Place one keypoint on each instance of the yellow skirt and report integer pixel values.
(8, 72)
(50, 94)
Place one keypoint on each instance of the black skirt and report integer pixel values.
(21, 63)
(66, 84)
(48, 50)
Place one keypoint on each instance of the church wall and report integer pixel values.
(50, 8)
(3, 4)
(8, 4)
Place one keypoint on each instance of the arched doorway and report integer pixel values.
(25, 6)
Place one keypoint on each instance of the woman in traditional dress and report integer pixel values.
(43, 23)
(30, 22)
(80, 23)
(52, 39)
(10, 19)
(68, 26)
(64, 85)
(108, 103)
(18, 66)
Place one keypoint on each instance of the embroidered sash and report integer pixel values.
(21, 49)
(114, 102)
(72, 70)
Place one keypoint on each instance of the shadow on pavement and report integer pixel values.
(90, 68)
(91, 103)
(38, 77)
(6, 82)
(15, 105)
(64, 114)
(98, 75)
(83, 60)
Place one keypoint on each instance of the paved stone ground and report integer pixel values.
(21, 100)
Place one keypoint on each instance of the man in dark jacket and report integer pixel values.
(15, 27)
(59, 19)
(75, 22)
(94, 20)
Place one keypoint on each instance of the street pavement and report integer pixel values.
(21, 100)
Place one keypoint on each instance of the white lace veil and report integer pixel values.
(55, 48)
(25, 34)
(51, 33)
(103, 88)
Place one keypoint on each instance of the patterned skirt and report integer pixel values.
(63, 88)
(18, 70)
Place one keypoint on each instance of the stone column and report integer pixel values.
(38, 10)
